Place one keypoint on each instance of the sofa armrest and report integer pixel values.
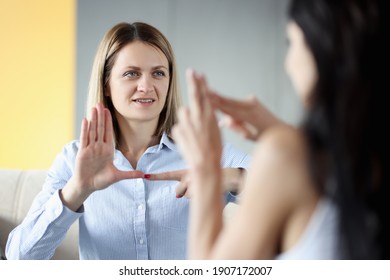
(2, 254)
(18, 188)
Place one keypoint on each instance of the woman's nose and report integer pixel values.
(145, 84)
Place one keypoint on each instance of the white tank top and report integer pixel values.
(319, 239)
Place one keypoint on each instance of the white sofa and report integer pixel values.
(17, 191)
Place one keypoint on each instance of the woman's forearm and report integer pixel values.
(205, 215)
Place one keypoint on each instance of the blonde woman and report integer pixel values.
(110, 179)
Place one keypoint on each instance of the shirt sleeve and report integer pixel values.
(48, 220)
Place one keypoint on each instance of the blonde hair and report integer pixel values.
(113, 41)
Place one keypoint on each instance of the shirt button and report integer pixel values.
(141, 241)
(139, 180)
(140, 207)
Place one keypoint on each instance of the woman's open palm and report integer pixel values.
(94, 168)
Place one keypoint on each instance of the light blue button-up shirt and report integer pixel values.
(131, 219)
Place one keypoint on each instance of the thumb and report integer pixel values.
(181, 189)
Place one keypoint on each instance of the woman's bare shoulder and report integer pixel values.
(284, 141)
(276, 185)
(282, 149)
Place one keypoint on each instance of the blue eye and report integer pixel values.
(131, 74)
(159, 73)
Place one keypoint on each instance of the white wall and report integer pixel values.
(239, 44)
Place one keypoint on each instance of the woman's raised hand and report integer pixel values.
(94, 168)
(197, 133)
(94, 163)
(249, 117)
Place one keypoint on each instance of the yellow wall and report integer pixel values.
(37, 74)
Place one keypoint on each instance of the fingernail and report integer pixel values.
(179, 196)
(147, 176)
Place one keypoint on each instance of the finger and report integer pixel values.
(203, 88)
(135, 174)
(205, 107)
(170, 175)
(245, 130)
(92, 126)
(194, 94)
(84, 134)
(122, 175)
(100, 123)
(236, 108)
(186, 184)
(187, 194)
(186, 137)
(204, 100)
(109, 130)
(177, 135)
(181, 189)
(185, 133)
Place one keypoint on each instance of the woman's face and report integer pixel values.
(300, 64)
(139, 83)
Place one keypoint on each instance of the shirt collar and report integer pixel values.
(167, 142)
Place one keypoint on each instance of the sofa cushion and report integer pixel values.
(18, 188)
